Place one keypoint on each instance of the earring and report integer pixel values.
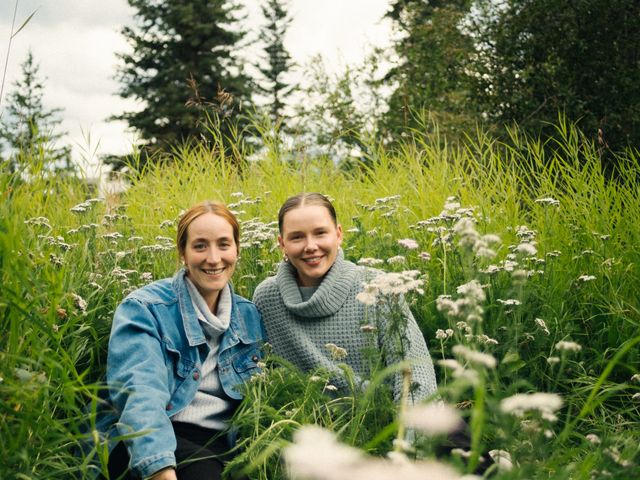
(285, 257)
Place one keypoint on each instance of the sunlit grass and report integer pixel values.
(63, 274)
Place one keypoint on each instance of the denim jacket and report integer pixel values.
(156, 350)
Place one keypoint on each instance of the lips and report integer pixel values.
(312, 260)
(213, 271)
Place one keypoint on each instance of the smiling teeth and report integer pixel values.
(213, 272)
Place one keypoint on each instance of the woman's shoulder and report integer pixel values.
(160, 291)
(266, 288)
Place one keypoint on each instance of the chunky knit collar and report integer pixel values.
(331, 293)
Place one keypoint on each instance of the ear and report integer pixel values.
(339, 233)
(281, 243)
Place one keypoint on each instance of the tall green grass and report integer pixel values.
(63, 275)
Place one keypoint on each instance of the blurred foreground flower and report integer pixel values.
(432, 418)
(316, 454)
(544, 403)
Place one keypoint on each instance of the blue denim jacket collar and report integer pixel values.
(237, 328)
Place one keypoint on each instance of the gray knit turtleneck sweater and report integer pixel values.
(299, 330)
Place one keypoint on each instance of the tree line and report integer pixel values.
(456, 65)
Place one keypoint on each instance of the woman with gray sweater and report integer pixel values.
(310, 311)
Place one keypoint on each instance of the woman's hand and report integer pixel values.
(166, 474)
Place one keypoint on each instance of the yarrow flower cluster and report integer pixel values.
(408, 243)
(370, 262)
(391, 284)
(475, 357)
(316, 454)
(444, 334)
(431, 418)
(468, 237)
(468, 306)
(337, 353)
(256, 233)
(566, 346)
(546, 404)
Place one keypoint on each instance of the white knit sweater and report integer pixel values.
(299, 330)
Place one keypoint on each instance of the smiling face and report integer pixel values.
(310, 239)
(210, 255)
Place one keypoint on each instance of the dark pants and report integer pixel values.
(199, 455)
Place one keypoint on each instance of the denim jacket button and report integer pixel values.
(255, 358)
(196, 375)
(169, 406)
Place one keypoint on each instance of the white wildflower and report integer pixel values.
(636, 396)
(593, 438)
(502, 459)
(548, 201)
(426, 256)
(616, 457)
(315, 378)
(509, 302)
(396, 260)
(475, 357)
(331, 388)
(544, 403)
(527, 248)
(337, 353)
(79, 302)
(472, 290)
(463, 326)
(586, 278)
(441, 335)
(368, 328)
(370, 262)
(636, 378)
(487, 340)
(566, 346)
(408, 243)
(553, 360)
(395, 283)
(541, 323)
(367, 298)
(432, 418)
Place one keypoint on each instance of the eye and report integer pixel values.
(199, 246)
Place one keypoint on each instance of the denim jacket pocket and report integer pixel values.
(245, 362)
(182, 366)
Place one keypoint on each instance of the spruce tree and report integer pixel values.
(429, 74)
(277, 59)
(182, 68)
(28, 128)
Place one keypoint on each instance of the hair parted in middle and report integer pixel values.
(303, 199)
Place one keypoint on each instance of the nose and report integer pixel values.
(311, 244)
(213, 256)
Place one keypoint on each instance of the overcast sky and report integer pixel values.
(75, 42)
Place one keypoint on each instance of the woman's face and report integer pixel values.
(210, 255)
(310, 239)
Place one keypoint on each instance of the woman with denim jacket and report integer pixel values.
(178, 350)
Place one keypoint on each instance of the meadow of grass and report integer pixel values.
(528, 253)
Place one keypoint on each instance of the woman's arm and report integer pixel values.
(138, 382)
